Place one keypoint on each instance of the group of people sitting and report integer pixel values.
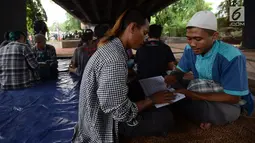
(21, 65)
(150, 61)
(217, 95)
(108, 107)
(86, 48)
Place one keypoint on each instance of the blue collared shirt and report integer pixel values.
(223, 64)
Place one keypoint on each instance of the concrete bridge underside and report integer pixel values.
(13, 17)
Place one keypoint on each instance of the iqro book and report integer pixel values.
(156, 84)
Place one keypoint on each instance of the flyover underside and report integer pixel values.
(13, 13)
(106, 11)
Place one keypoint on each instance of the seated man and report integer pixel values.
(154, 58)
(81, 54)
(17, 63)
(219, 69)
(99, 33)
(46, 56)
(84, 38)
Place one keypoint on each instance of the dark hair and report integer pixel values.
(87, 35)
(40, 27)
(122, 23)
(6, 36)
(100, 30)
(14, 36)
(155, 31)
(208, 31)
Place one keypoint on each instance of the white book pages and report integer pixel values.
(156, 84)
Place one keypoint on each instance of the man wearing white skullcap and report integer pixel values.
(220, 87)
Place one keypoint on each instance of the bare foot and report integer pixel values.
(205, 126)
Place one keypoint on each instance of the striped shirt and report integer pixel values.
(103, 101)
(17, 66)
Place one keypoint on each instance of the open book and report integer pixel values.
(156, 84)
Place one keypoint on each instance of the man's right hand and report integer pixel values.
(162, 97)
(73, 70)
(170, 80)
(157, 98)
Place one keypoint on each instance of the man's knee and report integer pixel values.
(161, 122)
(229, 112)
(219, 113)
(155, 122)
(209, 112)
(164, 119)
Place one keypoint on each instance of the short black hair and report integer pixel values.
(100, 30)
(87, 35)
(6, 35)
(155, 31)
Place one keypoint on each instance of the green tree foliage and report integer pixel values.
(57, 27)
(35, 11)
(71, 24)
(175, 17)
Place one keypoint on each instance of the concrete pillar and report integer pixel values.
(12, 15)
(249, 28)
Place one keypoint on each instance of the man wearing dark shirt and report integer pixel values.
(155, 57)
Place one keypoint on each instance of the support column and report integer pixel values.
(13, 16)
(249, 28)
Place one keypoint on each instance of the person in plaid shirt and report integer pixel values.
(104, 107)
(220, 88)
(46, 57)
(18, 65)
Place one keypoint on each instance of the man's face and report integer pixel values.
(136, 37)
(40, 44)
(199, 40)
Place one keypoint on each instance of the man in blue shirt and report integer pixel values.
(219, 69)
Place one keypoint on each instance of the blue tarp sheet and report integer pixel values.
(45, 113)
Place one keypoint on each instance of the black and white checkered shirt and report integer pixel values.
(17, 64)
(103, 100)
